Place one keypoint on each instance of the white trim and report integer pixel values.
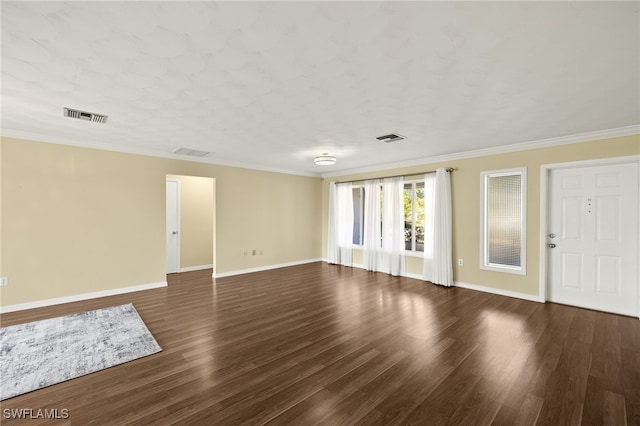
(484, 289)
(264, 268)
(475, 287)
(498, 291)
(417, 254)
(414, 276)
(522, 146)
(147, 152)
(80, 297)
(545, 169)
(542, 237)
(484, 261)
(593, 162)
(178, 206)
(196, 268)
(591, 308)
(543, 143)
(404, 274)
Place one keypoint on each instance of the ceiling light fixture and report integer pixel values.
(325, 160)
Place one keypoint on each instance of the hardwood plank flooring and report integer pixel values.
(324, 344)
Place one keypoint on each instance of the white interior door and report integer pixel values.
(173, 226)
(593, 224)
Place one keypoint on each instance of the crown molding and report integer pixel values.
(542, 143)
(148, 153)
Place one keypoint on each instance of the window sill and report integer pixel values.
(418, 254)
(505, 269)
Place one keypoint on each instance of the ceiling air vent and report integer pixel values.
(86, 116)
(191, 152)
(391, 137)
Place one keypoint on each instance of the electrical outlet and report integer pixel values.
(4, 281)
(460, 262)
(246, 253)
(260, 252)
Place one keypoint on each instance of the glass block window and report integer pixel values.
(503, 220)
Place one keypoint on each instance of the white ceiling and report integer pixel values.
(274, 84)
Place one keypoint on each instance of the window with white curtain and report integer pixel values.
(359, 197)
(414, 216)
(414, 211)
(390, 219)
(503, 226)
(358, 215)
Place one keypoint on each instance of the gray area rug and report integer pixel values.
(43, 353)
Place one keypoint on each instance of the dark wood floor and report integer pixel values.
(321, 344)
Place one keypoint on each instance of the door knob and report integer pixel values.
(551, 245)
(175, 232)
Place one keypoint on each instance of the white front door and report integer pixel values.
(593, 224)
(173, 226)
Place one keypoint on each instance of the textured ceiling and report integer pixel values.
(274, 84)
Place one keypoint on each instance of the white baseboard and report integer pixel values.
(79, 297)
(492, 290)
(414, 276)
(264, 268)
(196, 268)
(468, 286)
(475, 287)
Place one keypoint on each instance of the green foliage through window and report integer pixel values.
(414, 216)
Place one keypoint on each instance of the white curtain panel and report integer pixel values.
(333, 249)
(344, 224)
(429, 212)
(438, 267)
(372, 231)
(392, 260)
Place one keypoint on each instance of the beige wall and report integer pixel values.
(196, 220)
(465, 183)
(0, 211)
(78, 220)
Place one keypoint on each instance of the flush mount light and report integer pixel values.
(325, 160)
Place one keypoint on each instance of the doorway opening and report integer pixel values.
(190, 223)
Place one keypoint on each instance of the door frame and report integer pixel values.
(179, 235)
(545, 171)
